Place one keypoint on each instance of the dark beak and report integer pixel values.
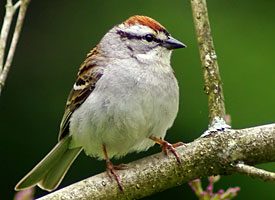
(172, 43)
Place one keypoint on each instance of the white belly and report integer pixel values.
(122, 116)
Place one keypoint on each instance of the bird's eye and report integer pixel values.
(149, 37)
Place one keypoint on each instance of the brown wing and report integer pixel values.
(89, 73)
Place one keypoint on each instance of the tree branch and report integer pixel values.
(10, 11)
(212, 79)
(255, 172)
(5, 31)
(204, 157)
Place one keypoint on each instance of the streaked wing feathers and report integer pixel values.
(89, 73)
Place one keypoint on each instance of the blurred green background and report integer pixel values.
(58, 34)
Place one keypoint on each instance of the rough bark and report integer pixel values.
(210, 68)
(216, 154)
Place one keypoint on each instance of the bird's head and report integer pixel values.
(141, 36)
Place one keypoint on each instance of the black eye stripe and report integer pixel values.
(137, 37)
(157, 40)
(128, 35)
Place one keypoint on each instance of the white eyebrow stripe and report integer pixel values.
(137, 29)
(141, 30)
(161, 36)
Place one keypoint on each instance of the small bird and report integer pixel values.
(124, 99)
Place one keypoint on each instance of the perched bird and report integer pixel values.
(124, 99)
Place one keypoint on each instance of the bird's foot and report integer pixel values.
(111, 172)
(166, 146)
(111, 168)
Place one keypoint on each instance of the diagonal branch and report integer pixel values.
(254, 172)
(10, 11)
(201, 158)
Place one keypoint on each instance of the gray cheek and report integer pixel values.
(143, 47)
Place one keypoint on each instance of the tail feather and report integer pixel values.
(55, 175)
(49, 172)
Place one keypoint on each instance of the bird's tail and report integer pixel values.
(49, 172)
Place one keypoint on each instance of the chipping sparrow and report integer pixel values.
(124, 99)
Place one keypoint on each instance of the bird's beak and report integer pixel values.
(172, 43)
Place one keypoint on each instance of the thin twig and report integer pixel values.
(201, 158)
(254, 172)
(10, 9)
(5, 31)
(212, 79)
(17, 4)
